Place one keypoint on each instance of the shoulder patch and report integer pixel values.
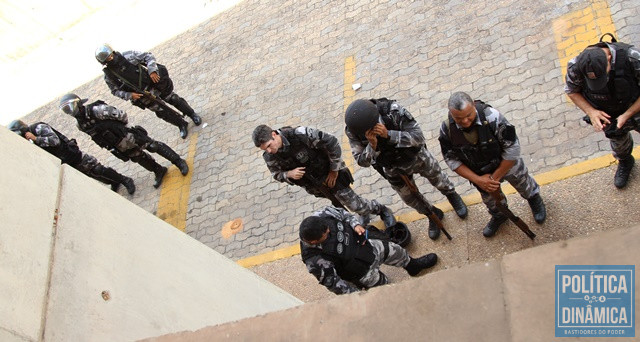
(507, 132)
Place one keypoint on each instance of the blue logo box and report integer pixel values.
(595, 300)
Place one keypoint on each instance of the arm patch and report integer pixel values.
(507, 132)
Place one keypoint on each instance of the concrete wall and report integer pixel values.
(507, 299)
(79, 262)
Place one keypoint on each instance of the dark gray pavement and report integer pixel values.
(283, 63)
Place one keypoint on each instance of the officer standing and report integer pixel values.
(312, 159)
(131, 73)
(479, 144)
(336, 250)
(604, 82)
(383, 134)
(67, 150)
(108, 128)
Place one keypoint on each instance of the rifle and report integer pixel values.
(432, 216)
(498, 196)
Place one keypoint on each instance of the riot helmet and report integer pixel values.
(103, 52)
(400, 234)
(361, 115)
(19, 127)
(71, 103)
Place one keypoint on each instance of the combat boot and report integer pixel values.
(196, 118)
(169, 154)
(623, 172)
(184, 130)
(458, 205)
(492, 227)
(386, 215)
(129, 185)
(434, 230)
(159, 175)
(415, 266)
(183, 167)
(537, 208)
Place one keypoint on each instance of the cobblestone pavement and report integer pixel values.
(293, 63)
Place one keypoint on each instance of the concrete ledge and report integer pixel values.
(507, 299)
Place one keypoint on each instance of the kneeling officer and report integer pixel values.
(336, 250)
(108, 128)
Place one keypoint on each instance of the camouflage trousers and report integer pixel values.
(425, 165)
(519, 177)
(622, 146)
(397, 256)
(86, 164)
(355, 203)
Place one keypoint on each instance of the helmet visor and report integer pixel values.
(70, 106)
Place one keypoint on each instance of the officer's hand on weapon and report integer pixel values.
(30, 136)
(622, 119)
(331, 179)
(154, 77)
(486, 183)
(296, 173)
(381, 130)
(599, 119)
(135, 96)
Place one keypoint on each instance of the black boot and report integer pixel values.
(623, 172)
(434, 230)
(128, 183)
(458, 205)
(159, 175)
(171, 155)
(386, 215)
(183, 106)
(415, 266)
(537, 208)
(492, 227)
(196, 119)
(184, 130)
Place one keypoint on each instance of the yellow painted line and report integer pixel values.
(576, 30)
(349, 95)
(174, 193)
(542, 179)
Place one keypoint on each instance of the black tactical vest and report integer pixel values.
(128, 74)
(486, 154)
(315, 161)
(105, 133)
(391, 155)
(67, 151)
(351, 259)
(622, 89)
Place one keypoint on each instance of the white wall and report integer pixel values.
(159, 280)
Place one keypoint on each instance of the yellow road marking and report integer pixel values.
(576, 30)
(174, 194)
(349, 95)
(542, 179)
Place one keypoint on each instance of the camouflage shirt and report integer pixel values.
(134, 57)
(409, 135)
(311, 138)
(102, 112)
(510, 148)
(575, 79)
(45, 136)
(324, 270)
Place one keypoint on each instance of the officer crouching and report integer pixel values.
(337, 251)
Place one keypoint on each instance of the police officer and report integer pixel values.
(336, 250)
(604, 82)
(383, 134)
(108, 128)
(67, 150)
(312, 159)
(479, 144)
(130, 73)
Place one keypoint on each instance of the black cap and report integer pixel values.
(593, 63)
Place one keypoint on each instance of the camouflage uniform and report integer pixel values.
(518, 176)
(163, 89)
(622, 143)
(48, 139)
(324, 145)
(418, 159)
(331, 276)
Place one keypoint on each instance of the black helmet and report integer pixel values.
(103, 52)
(400, 234)
(19, 127)
(361, 115)
(71, 103)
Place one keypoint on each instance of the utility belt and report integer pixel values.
(344, 180)
(394, 157)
